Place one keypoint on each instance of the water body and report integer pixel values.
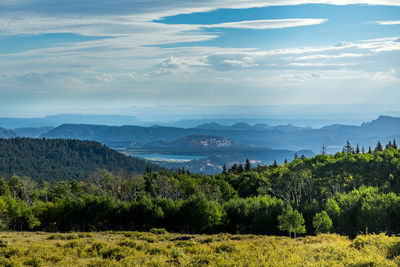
(168, 158)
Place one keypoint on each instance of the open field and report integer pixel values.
(159, 248)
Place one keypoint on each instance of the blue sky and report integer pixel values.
(105, 56)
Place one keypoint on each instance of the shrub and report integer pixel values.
(322, 222)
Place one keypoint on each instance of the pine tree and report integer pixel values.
(394, 144)
(357, 149)
(302, 156)
(369, 150)
(148, 168)
(240, 168)
(224, 169)
(388, 145)
(275, 164)
(285, 161)
(247, 165)
(378, 147)
(348, 148)
(323, 150)
(234, 168)
(296, 156)
(362, 150)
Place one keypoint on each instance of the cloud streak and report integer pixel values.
(138, 59)
(266, 24)
(388, 22)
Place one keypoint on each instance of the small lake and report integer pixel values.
(168, 158)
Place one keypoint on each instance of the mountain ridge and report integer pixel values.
(278, 137)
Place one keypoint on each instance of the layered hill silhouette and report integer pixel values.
(5, 133)
(290, 137)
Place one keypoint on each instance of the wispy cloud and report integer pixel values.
(388, 22)
(266, 24)
(136, 62)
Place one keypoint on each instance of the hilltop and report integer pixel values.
(59, 159)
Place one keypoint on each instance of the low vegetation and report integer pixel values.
(160, 248)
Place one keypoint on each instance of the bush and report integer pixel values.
(322, 222)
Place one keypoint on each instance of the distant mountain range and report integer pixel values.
(57, 120)
(214, 144)
(290, 137)
(32, 131)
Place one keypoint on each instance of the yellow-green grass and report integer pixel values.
(159, 248)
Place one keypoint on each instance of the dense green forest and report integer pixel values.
(347, 193)
(61, 159)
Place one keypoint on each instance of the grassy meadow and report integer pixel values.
(159, 248)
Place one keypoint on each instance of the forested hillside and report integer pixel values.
(347, 193)
(57, 159)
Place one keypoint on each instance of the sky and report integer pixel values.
(92, 56)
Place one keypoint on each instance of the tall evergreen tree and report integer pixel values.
(357, 149)
(323, 150)
(275, 164)
(148, 168)
(240, 168)
(378, 147)
(348, 148)
(394, 144)
(247, 165)
(389, 145)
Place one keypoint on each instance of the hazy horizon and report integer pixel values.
(190, 116)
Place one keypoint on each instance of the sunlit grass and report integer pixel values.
(160, 248)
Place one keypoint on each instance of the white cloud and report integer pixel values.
(336, 56)
(267, 24)
(245, 62)
(309, 64)
(393, 22)
(179, 62)
(385, 77)
(130, 65)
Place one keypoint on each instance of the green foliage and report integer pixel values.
(198, 215)
(322, 222)
(345, 193)
(292, 221)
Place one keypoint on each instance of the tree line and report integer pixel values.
(345, 193)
